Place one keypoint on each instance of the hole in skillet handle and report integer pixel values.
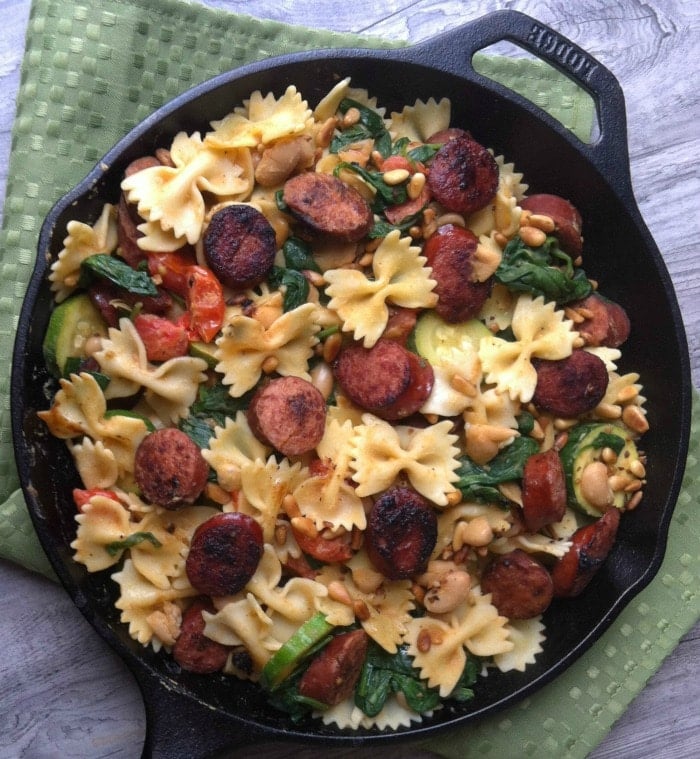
(458, 51)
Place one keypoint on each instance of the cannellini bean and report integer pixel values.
(322, 378)
(453, 589)
(595, 486)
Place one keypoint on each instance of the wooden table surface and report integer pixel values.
(64, 693)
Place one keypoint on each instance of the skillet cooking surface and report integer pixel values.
(618, 252)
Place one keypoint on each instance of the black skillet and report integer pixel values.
(195, 716)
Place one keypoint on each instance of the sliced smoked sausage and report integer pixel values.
(463, 175)
(570, 386)
(289, 414)
(328, 206)
(240, 246)
(334, 672)
(169, 468)
(450, 253)
(401, 533)
(566, 217)
(193, 651)
(520, 586)
(224, 553)
(590, 546)
(605, 323)
(543, 490)
(386, 379)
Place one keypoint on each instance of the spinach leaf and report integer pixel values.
(118, 272)
(382, 228)
(546, 270)
(133, 540)
(286, 698)
(480, 483)
(296, 287)
(386, 194)
(212, 407)
(370, 126)
(606, 440)
(298, 255)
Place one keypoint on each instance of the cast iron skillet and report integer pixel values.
(193, 716)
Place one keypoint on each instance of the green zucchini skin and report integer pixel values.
(585, 445)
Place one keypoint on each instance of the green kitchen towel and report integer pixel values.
(93, 70)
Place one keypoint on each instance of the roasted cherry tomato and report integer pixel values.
(81, 497)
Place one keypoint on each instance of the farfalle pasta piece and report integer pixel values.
(155, 239)
(498, 519)
(527, 636)
(263, 487)
(422, 119)
(531, 543)
(245, 345)
(503, 213)
(392, 716)
(79, 408)
(81, 242)
(328, 497)
(262, 121)
(170, 388)
(139, 599)
(399, 277)
(490, 424)
(497, 311)
(233, 447)
(475, 626)
(457, 372)
(173, 530)
(540, 331)
(172, 195)
(101, 522)
(96, 464)
(428, 457)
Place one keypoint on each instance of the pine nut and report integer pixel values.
(627, 394)
(338, 592)
(635, 419)
(463, 385)
(361, 610)
(305, 526)
(608, 455)
(270, 364)
(539, 221)
(281, 534)
(322, 378)
(634, 501)
(395, 176)
(415, 185)
(608, 411)
(532, 236)
(290, 506)
(618, 482)
(638, 469)
(331, 347)
(424, 641)
(314, 277)
(351, 117)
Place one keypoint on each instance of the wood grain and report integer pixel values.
(65, 693)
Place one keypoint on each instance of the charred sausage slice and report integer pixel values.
(328, 206)
(239, 246)
(224, 553)
(606, 322)
(169, 468)
(401, 533)
(463, 175)
(193, 651)
(570, 386)
(450, 253)
(333, 674)
(520, 586)
(289, 414)
(566, 217)
(386, 379)
(590, 546)
(543, 490)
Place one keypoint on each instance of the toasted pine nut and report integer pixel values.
(532, 236)
(462, 385)
(322, 378)
(415, 185)
(618, 482)
(637, 469)
(540, 221)
(454, 497)
(361, 610)
(608, 411)
(424, 641)
(331, 346)
(305, 526)
(314, 277)
(537, 431)
(217, 493)
(608, 455)
(290, 506)
(633, 486)
(418, 592)
(395, 176)
(270, 364)
(627, 394)
(351, 117)
(325, 132)
(573, 314)
(634, 501)
(635, 419)
(281, 534)
(578, 342)
(338, 592)
(564, 424)
(500, 239)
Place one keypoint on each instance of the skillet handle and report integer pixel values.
(179, 727)
(455, 49)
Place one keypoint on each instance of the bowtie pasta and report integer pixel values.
(449, 340)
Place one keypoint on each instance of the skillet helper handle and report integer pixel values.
(179, 727)
(608, 152)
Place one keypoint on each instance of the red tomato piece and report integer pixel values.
(328, 551)
(81, 497)
(205, 302)
(162, 338)
(173, 269)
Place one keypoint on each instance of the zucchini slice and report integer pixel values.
(434, 338)
(610, 445)
(71, 325)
